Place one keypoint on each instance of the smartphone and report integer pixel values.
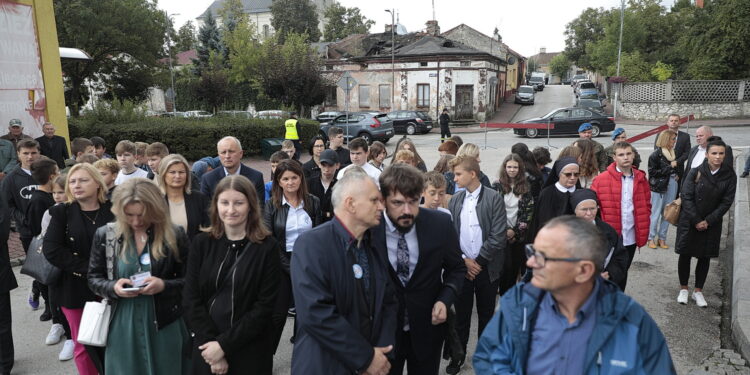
(134, 289)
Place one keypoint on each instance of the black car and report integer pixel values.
(567, 121)
(411, 122)
(591, 103)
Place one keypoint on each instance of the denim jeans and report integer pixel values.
(658, 202)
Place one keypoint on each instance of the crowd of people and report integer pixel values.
(379, 263)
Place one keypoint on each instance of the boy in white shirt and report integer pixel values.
(125, 151)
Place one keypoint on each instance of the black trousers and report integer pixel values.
(701, 270)
(297, 149)
(279, 316)
(445, 133)
(631, 254)
(6, 334)
(485, 292)
(405, 355)
(514, 263)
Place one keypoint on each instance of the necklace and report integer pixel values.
(93, 221)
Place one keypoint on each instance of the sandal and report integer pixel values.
(651, 244)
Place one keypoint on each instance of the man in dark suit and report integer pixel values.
(703, 135)
(426, 268)
(7, 283)
(682, 147)
(53, 146)
(230, 153)
(346, 307)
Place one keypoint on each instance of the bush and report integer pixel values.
(192, 138)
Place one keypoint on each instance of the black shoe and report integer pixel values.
(291, 339)
(46, 315)
(454, 367)
(744, 174)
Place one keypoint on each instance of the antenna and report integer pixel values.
(433, 10)
(397, 17)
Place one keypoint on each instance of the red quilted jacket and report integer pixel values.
(608, 187)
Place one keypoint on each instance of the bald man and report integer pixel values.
(230, 154)
(698, 152)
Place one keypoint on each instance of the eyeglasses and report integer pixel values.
(571, 174)
(541, 259)
(319, 146)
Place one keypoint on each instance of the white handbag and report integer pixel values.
(95, 320)
(95, 323)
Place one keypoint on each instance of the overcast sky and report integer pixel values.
(524, 25)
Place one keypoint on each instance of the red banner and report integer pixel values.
(657, 130)
(517, 126)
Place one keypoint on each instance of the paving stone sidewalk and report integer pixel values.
(722, 362)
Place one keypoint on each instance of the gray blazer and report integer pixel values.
(493, 221)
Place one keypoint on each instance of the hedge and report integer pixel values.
(192, 138)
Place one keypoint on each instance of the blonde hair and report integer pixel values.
(155, 212)
(101, 194)
(405, 156)
(664, 138)
(169, 161)
(468, 149)
(108, 164)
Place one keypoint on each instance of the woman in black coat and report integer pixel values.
(188, 208)
(231, 285)
(67, 245)
(288, 194)
(554, 200)
(662, 180)
(707, 193)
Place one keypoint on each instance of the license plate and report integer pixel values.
(389, 132)
(429, 127)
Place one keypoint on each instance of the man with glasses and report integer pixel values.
(568, 319)
(625, 198)
(407, 236)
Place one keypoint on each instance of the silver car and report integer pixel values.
(525, 95)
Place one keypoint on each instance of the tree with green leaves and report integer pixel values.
(213, 86)
(586, 28)
(109, 31)
(560, 65)
(186, 39)
(295, 16)
(343, 21)
(209, 40)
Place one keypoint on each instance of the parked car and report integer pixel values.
(198, 114)
(525, 94)
(567, 121)
(328, 116)
(377, 127)
(537, 82)
(273, 114)
(173, 114)
(586, 89)
(411, 122)
(234, 114)
(592, 103)
(577, 78)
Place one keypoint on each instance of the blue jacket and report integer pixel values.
(625, 339)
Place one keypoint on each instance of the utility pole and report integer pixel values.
(619, 54)
(393, 59)
(169, 57)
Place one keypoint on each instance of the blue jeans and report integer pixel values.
(658, 202)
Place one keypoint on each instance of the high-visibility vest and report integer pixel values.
(291, 129)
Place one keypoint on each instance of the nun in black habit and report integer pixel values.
(554, 200)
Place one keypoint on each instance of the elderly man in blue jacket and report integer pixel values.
(568, 320)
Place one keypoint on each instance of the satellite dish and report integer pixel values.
(511, 60)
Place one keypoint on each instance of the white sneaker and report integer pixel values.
(55, 334)
(66, 353)
(683, 296)
(699, 300)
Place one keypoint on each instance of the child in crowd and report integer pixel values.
(109, 169)
(140, 156)
(288, 147)
(126, 155)
(87, 158)
(78, 147)
(154, 153)
(275, 158)
(404, 156)
(100, 148)
(434, 196)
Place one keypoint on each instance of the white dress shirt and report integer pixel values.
(470, 237)
(511, 208)
(627, 209)
(370, 169)
(237, 173)
(392, 236)
(297, 222)
(122, 176)
(700, 155)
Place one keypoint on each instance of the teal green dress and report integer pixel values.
(134, 345)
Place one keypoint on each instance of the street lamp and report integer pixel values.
(169, 57)
(393, 60)
(619, 54)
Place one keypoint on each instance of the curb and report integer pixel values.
(693, 127)
(740, 269)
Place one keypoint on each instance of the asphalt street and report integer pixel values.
(692, 333)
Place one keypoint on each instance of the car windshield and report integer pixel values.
(526, 90)
(589, 102)
(588, 85)
(551, 113)
(536, 79)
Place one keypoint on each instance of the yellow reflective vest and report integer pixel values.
(291, 129)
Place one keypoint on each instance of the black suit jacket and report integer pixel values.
(54, 148)
(438, 276)
(196, 208)
(681, 151)
(211, 179)
(728, 158)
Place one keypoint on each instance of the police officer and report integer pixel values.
(292, 133)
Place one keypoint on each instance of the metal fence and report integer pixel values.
(684, 91)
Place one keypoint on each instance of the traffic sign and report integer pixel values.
(347, 82)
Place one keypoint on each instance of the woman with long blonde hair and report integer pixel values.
(187, 208)
(143, 278)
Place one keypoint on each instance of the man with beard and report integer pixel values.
(426, 268)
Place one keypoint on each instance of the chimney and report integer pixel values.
(433, 28)
(543, 50)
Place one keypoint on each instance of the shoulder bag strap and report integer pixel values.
(109, 250)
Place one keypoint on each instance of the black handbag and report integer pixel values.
(36, 264)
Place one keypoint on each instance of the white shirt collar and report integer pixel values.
(475, 193)
(392, 228)
(564, 189)
(284, 202)
(226, 172)
(623, 175)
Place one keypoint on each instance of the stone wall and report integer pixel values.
(660, 110)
